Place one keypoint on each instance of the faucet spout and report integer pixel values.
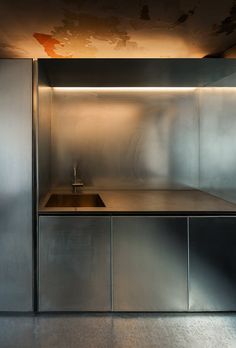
(77, 182)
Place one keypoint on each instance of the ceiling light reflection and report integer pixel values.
(125, 89)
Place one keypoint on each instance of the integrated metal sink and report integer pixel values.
(75, 200)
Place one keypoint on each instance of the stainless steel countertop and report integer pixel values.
(148, 201)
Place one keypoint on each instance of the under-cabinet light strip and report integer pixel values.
(125, 89)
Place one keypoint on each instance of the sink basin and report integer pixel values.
(75, 200)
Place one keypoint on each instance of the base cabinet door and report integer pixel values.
(212, 263)
(74, 263)
(149, 263)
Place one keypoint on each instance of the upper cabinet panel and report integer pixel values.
(136, 72)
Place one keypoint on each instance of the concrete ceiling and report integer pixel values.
(124, 28)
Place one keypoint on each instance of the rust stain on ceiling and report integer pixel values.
(228, 24)
(78, 31)
(108, 28)
(184, 17)
(49, 45)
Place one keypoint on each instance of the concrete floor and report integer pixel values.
(118, 331)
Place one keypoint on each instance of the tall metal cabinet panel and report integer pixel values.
(212, 263)
(15, 184)
(149, 264)
(74, 263)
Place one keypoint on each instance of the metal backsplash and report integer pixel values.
(217, 108)
(143, 140)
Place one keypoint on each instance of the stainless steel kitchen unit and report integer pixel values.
(149, 263)
(16, 212)
(74, 263)
(155, 140)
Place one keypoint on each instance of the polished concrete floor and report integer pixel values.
(118, 331)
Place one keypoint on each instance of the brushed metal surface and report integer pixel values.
(142, 140)
(149, 264)
(144, 201)
(16, 185)
(212, 267)
(44, 133)
(137, 72)
(75, 200)
(228, 81)
(218, 141)
(74, 263)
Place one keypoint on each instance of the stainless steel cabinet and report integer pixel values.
(74, 263)
(149, 263)
(16, 185)
(212, 263)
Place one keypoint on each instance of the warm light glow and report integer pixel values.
(210, 88)
(141, 89)
(125, 89)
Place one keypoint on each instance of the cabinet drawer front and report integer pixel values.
(149, 264)
(74, 263)
(212, 266)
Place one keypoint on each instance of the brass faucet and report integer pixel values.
(77, 182)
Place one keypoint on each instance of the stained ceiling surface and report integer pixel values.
(124, 28)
